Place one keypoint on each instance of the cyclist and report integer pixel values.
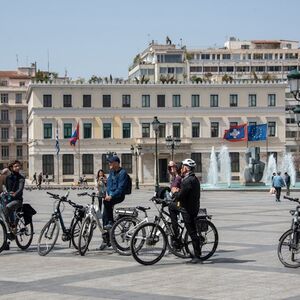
(14, 185)
(188, 199)
(115, 193)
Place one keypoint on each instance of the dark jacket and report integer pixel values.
(287, 180)
(15, 183)
(116, 183)
(189, 195)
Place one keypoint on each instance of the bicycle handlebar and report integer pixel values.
(82, 194)
(53, 195)
(87, 194)
(291, 199)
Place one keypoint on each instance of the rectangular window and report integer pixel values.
(252, 123)
(145, 100)
(19, 116)
(106, 130)
(47, 100)
(47, 131)
(18, 98)
(145, 130)
(87, 130)
(252, 100)
(4, 115)
(126, 130)
(4, 134)
(233, 100)
(68, 164)
(235, 161)
(106, 99)
(162, 130)
(195, 100)
(195, 129)
(126, 100)
(214, 129)
(87, 164)
(48, 164)
(19, 151)
(271, 128)
(19, 133)
(87, 101)
(232, 124)
(67, 130)
(105, 166)
(127, 162)
(176, 101)
(67, 100)
(271, 100)
(4, 98)
(198, 160)
(161, 100)
(5, 152)
(214, 100)
(176, 130)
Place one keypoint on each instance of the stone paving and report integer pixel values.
(245, 265)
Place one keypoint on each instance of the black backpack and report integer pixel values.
(128, 186)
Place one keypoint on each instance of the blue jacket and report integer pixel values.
(116, 183)
(278, 181)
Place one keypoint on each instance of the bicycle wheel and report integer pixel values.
(24, 233)
(120, 234)
(289, 252)
(75, 233)
(48, 237)
(3, 236)
(179, 249)
(85, 235)
(209, 240)
(148, 244)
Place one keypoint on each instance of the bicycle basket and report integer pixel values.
(127, 211)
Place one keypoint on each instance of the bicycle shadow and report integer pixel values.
(227, 260)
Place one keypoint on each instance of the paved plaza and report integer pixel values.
(245, 265)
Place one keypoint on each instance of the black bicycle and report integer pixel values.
(50, 231)
(289, 243)
(23, 233)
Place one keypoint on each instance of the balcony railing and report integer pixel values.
(4, 121)
(19, 121)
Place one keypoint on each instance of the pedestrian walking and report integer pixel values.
(40, 179)
(34, 180)
(46, 178)
(278, 183)
(287, 179)
(100, 187)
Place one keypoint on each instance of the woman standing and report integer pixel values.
(100, 186)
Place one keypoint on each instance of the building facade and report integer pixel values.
(113, 117)
(13, 119)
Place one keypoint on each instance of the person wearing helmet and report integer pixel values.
(189, 198)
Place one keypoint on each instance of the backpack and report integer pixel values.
(128, 186)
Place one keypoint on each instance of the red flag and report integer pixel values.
(75, 136)
(236, 133)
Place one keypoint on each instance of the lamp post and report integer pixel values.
(172, 144)
(155, 126)
(136, 151)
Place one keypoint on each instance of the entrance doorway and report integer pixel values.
(163, 170)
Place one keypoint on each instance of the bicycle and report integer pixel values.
(150, 240)
(288, 249)
(23, 234)
(49, 233)
(122, 230)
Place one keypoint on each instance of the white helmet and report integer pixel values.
(189, 162)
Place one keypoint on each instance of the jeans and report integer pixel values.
(11, 207)
(278, 192)
(108, 216)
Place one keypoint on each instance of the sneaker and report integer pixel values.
(6, 247)
(104, 246)
(195, 260)
(108, 226)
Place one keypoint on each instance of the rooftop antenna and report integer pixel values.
(180, 42)
(17, 58)
(148, 36)
(48, 59)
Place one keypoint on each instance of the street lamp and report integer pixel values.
(136, 151)
(172, 144)
(155, 126)
(294, 84)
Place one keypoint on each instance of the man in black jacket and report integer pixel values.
(188, 197)
(14, 185)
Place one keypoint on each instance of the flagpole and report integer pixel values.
(57, 154)
(78, 151)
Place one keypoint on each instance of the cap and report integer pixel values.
(113, 158)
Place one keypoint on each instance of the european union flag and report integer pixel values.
(257, 132)
(236, 133)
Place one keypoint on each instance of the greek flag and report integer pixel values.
(57, 142)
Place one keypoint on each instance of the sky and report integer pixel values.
(101, 37)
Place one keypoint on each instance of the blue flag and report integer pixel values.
(236, 133)
(257, 132)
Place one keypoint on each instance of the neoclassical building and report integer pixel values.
(113, 117)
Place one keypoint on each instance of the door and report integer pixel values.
(163, 170)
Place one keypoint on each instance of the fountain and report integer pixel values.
(289, 167)
(225, 166)
(212, 177)
(271, 168)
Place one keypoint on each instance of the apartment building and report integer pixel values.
(113, 117)
(13, 119)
